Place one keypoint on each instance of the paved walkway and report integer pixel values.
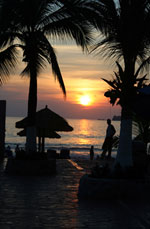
(51, 202)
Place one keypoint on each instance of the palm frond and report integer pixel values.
(37, 63)
(141, 81)
(141, 129)
(110, 83)
(145, 64)
(64, 29)
(122, 29)
(8, 60)
(44, 52)
(55, 68)
(69, 19)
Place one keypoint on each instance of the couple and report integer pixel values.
(107, 145)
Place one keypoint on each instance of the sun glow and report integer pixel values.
(85, 100)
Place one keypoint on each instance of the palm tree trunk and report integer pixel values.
(31, 139)
(124, 153)
(32, 104)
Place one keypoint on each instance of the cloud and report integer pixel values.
(82, 74)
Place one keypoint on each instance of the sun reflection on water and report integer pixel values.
(84, 132)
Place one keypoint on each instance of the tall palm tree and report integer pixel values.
(124, 36)
(33, 24)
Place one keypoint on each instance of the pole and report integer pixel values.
(2, 127)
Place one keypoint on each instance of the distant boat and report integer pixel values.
(116, 118)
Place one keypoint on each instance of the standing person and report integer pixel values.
(92, 153)
(107, 145)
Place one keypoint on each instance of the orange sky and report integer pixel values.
(82, 76)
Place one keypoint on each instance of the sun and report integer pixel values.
(85, 100)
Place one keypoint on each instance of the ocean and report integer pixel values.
(86, 133)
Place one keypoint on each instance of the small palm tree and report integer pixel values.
(118, 95)
(33, 24)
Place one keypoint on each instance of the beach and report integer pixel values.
(86, 133)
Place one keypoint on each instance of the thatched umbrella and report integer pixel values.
(41, 134)
(46, 119)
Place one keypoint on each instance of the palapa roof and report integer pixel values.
(47, 119)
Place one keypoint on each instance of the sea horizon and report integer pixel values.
(86, 132)
(17, 116)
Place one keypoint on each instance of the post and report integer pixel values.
(2, 127)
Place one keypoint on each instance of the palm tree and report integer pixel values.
(33, 24)
(124, 36)
(118, 95)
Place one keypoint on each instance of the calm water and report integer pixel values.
(85, 133)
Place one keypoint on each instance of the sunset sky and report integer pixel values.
(82, 75)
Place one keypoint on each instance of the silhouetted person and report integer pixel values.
(107, 145)
(92, 153)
